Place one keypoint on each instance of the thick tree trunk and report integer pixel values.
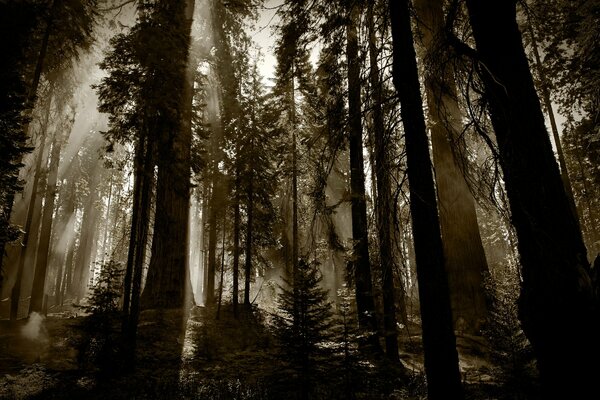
(384, 203)
(41, 264)
(168, 283)
(463, 247)
(439, 343)
(361, 263)
(556, 287)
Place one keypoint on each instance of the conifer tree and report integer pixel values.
(303, 326)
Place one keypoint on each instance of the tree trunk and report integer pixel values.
(361, 263)
(556, 286)
(68, 273)
(249, 232)
(236, 236)
(463, 247)
(86, 240)
(212, 239)
(168, 283)
(41, 264)
(439, 343)
(142, 187)
(107, 224)
(383, 199)
(222, 270)
(140, 244)
(295, 232)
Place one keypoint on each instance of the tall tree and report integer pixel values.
(167, 282)
(463, 247)
(41, 265)
(556, 285)
(439, 343)
(15, 296)
(84, 259)
(384, 203)
(360, 260)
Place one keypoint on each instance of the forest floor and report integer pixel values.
(209, 358)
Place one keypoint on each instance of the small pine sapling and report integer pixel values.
(99, 344)
(304, 328)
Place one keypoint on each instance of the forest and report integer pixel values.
(299, 199)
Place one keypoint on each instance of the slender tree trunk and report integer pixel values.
(361, 263)
(86, 240)
(295, 238)
(556, 285)
(202, 246)
(41, 264)
(141, 243)
(108, 221)
(168, 282)
(384, 203)
(463, 247)
(68, 273)
(222, 270)
(212, 240)
(439, 343)
(142, 170)
(236, 236)
(249, 238)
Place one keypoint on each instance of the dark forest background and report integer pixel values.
(408, 208)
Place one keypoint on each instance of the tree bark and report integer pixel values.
(360, 263)
(439, 343)
(168, 283)
(556, 286)
(463, 247)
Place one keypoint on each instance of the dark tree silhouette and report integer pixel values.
(556, 283)
(439, 343)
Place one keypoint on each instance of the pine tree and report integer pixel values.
(304, 327)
